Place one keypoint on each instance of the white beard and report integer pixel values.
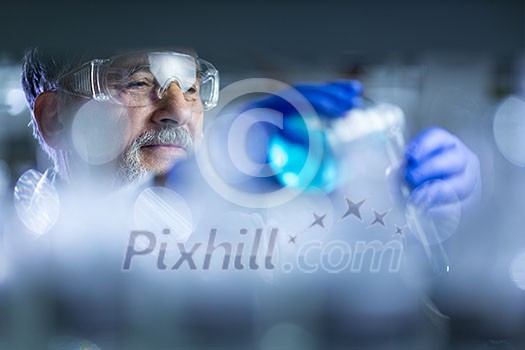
(130, 167)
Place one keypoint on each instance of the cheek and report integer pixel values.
(99, 132)
(196, 126)
(137, 119)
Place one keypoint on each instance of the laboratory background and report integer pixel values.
(457, 64)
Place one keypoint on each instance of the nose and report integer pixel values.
(173, 108)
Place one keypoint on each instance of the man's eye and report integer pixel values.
(137, 85)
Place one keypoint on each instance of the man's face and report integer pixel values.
(160, 134)
(159, 98)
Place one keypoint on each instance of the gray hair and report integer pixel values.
(40, 73)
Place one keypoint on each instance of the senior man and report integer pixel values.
(155, 103)
(162, 97)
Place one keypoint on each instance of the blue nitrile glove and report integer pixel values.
(436, 154)
(287, 147)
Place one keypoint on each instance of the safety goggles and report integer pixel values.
(141, 79)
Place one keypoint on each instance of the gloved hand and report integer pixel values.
(436, 154)
(329, 100)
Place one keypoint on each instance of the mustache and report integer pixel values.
(166, 135)
(130, 167)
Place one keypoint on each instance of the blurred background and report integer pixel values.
(442, 61)
(447, 63)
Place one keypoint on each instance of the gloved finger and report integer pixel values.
(433, 194)
(345, 90)
(446, 163)
(330, 100)
(465, 183)
(352, 86)
(427, 143)
(444, 212)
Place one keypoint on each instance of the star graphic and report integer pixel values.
(399, 230)
(292, 239)
(353, 209)
(318, 220)
(379, 218)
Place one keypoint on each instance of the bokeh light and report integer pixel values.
(509, 130)
(36, 201)
(517, 270)
(94, 132)
(70, 343)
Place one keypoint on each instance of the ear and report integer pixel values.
(46, 115)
